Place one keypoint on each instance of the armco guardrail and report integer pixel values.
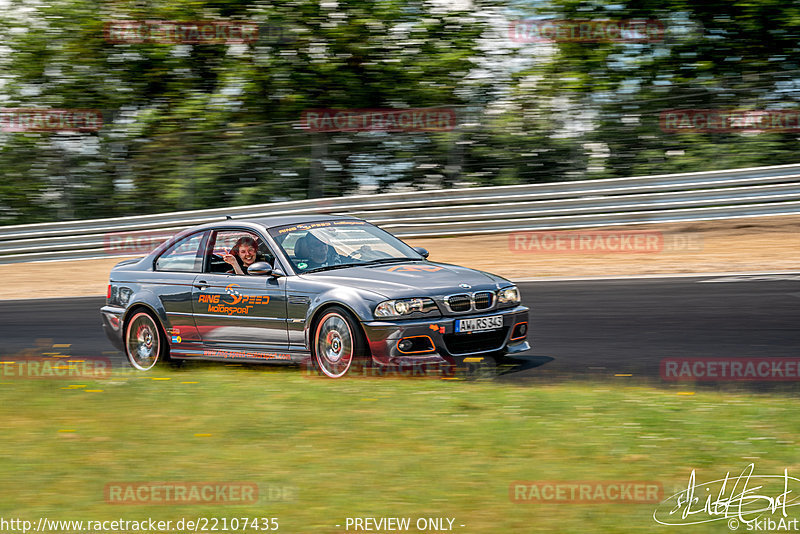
(759, 191)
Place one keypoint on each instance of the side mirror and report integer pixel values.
(421, 251)
(260, 268)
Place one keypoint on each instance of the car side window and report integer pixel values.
(183, 256)
(231, 242)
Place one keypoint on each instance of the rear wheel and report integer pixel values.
(144, 343)
(337, 343)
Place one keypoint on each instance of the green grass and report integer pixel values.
(375, 447)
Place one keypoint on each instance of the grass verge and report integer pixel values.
(383, 447)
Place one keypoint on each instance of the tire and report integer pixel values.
(145, 345)
(337, 343)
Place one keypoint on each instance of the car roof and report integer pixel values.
(252, 223)
(282, 220)
(275, 221)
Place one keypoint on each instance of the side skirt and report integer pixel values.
(280, 356)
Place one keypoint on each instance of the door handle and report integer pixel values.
(201, 284)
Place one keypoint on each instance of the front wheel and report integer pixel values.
(337, 343)
(144, 344)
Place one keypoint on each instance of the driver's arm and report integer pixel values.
(231, 260)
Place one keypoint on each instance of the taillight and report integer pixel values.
(108, 295)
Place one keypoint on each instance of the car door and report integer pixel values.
(171, 280)
(238, 313)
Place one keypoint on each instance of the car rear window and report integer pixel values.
(183, 256)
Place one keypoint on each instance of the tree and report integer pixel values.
(739, 54)
(209, 125)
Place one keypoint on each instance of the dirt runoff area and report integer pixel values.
(763, 244)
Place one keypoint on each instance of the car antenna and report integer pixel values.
(228, 217)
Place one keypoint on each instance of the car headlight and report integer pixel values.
(508, 295)
(401, 307)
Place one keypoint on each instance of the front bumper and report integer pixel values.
(112, 324)
(448, 346)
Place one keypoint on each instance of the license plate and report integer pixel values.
(479, 323)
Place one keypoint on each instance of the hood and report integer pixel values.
(409, 279)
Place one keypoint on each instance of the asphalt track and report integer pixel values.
(603, 327)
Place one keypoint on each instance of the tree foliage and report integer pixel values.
(190, 126)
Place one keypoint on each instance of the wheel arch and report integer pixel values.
(147, 300)
(319, 311)
(146, 307)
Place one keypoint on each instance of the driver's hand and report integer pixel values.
(229, 259)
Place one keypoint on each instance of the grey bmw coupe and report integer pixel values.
(334, 291)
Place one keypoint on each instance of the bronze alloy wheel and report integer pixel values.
(336, 343)
(143, 341)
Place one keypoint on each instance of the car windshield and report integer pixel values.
(336, 244)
